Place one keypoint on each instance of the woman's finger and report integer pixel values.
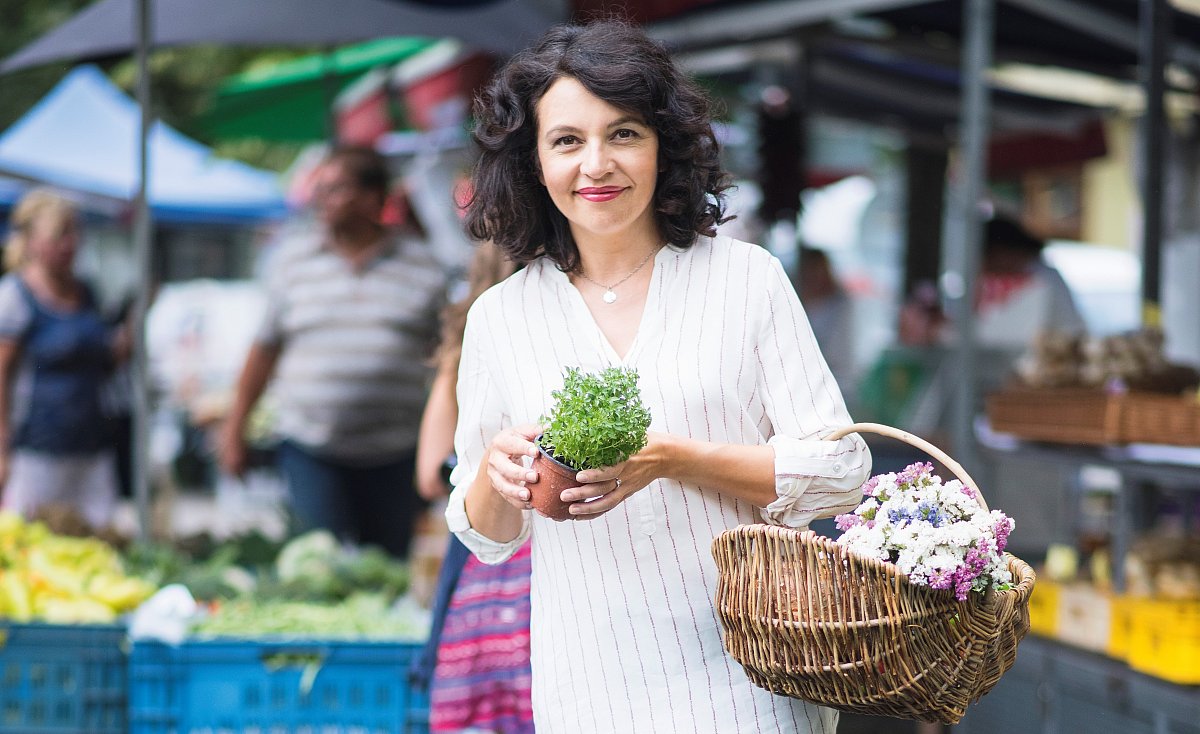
(513, 493)
(594, 504)
(607, 474)
(515, 442)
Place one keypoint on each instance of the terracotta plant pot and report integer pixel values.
(553, 477)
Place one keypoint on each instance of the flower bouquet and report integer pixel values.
(936, 533)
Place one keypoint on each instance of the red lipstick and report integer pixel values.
(600, 193)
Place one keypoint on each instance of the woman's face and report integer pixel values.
(598, 163)
(53, 240)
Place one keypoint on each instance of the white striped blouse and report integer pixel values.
(624, 634)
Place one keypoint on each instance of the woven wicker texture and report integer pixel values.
(1169, 419)
(1060, 415)
(808, 619)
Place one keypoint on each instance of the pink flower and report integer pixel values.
(847, 521)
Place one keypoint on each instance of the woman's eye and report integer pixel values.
(566, 140)
(625, 134)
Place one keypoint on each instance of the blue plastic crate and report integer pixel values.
(62, 679)
(269, 687)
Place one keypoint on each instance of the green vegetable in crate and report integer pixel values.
(315, 567)
(364, 616)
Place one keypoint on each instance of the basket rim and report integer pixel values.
(1023, 574)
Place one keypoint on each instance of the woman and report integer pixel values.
(476, 661)
(599, 171)
(55, 353)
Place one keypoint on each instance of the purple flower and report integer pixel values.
(847, 521)
(870, 486)
(1003, 529)
(961, 589)
(941, 579)
(913, 473)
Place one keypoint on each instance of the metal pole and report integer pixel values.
(1153, 44)
(142, 237)
(964, 231)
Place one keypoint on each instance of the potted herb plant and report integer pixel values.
(598, 420)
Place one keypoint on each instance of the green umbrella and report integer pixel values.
(292, 100)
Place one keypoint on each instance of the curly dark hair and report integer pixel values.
(618, 63)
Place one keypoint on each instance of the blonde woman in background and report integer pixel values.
(55, 353)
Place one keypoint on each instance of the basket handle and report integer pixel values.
(920, 443)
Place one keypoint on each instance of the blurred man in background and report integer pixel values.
(350, 324)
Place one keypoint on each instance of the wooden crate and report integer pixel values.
(1060, 415)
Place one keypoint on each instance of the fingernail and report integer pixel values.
(531, 476)
(583, 477)
(525, 496)
(567, 497)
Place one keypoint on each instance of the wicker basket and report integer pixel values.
(1061, 415)
(808, 619)
(1167, 419)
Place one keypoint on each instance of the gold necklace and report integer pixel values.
(610, 294)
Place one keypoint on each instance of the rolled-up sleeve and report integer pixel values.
(481, 415)
(813, 477)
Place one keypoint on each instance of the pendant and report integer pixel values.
(609, 296)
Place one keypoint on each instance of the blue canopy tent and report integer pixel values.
(83, 136)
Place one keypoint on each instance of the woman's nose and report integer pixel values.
(596, 161)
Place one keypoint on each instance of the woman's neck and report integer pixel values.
(607, 260)
(60, 288)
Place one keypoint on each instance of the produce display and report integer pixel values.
(62, 580)
(361, 616)
(1132, 361)
(312, 586)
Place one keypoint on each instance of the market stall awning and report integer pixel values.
(83, 136)
(107, 28)
(292, 100)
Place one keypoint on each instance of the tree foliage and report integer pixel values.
(22, 21)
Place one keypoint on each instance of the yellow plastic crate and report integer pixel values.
(1164, 639)
(1120, 627)
(1084, 616)
(1043, 608)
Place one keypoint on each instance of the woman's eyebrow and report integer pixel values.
(627, 120)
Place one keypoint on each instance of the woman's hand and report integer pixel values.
(504, 468)
(601, 490)
(431, 486)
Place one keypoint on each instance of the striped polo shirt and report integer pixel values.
(352, 374)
